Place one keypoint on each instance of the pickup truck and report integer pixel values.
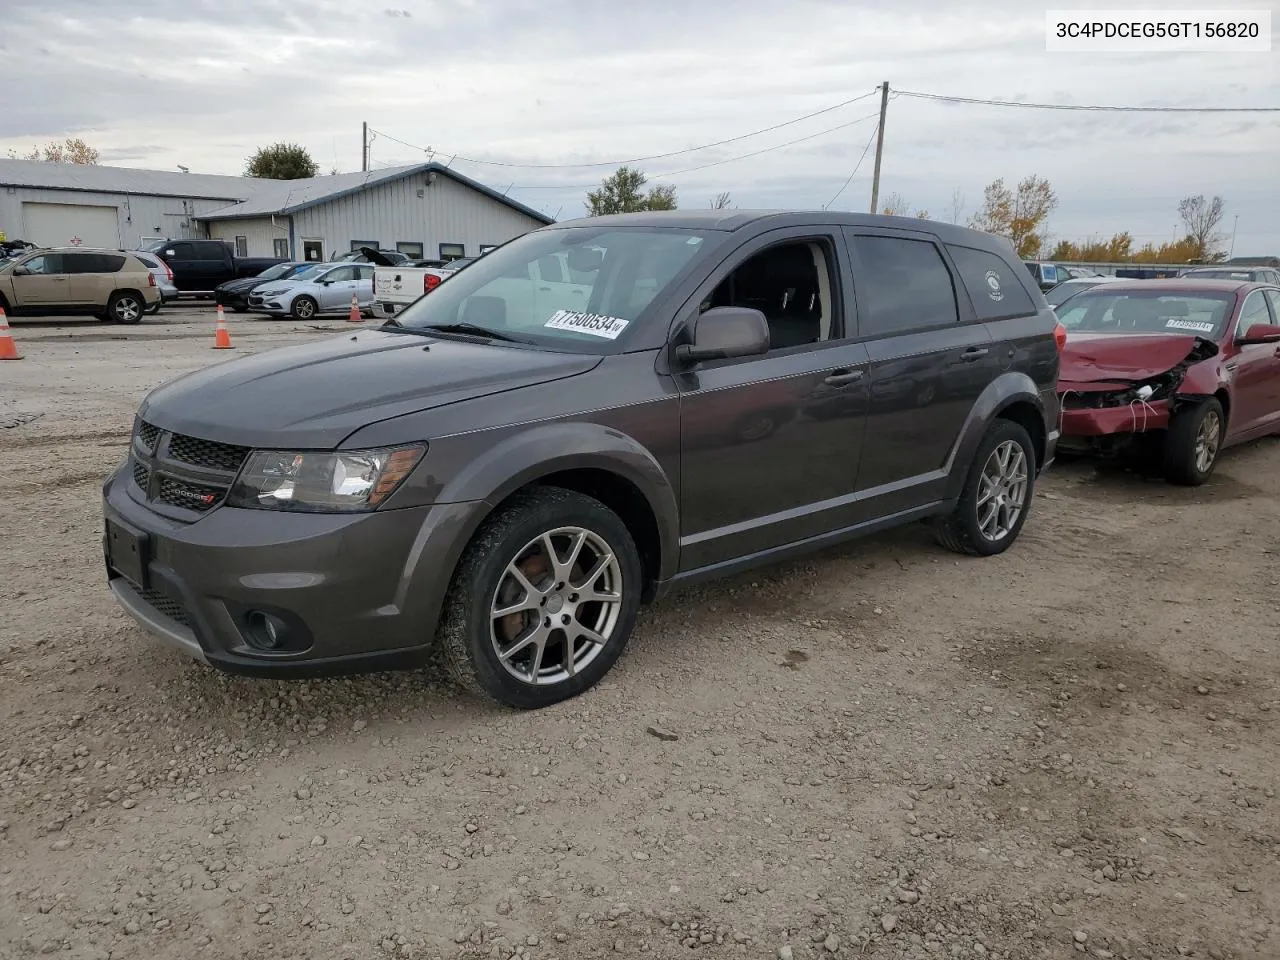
(394, 288)
(199, 266)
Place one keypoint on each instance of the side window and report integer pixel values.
(341, 275)
(791, 285)
(1252, 313)
(993, 287)
(1274, 297)
(80, 263)
(181, 251)
(46, 264)
(211, 250)
(901, 285)
(366, 271)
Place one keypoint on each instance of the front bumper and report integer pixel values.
(357, 592)
(1106, 421)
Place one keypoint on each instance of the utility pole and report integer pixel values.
(875, 179)
(1232, 251)
(364, 146)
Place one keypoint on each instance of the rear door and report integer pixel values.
(1256, 368)
(930, 359)
(46, 284)
(93, 276)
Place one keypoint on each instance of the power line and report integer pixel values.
(870, 140)
(1086, 107)
(618, 163)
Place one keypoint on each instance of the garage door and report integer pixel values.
(62, 224)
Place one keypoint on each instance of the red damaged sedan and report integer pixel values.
(1191, 365)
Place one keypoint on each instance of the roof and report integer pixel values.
(100, 179)
(283, 197)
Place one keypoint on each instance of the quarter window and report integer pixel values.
(901, 285)
(994, 288)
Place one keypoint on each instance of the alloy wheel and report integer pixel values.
(1002, 490)
(128, 310)
(556, 606)
(1208, 438)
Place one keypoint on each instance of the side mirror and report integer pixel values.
(1258, 333)
(725, 332)
(170, 253)
(22, 270)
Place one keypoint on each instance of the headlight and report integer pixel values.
(272, 293)
(345, 482)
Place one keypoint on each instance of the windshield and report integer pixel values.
(276, 272)
(1063, 291)
(576, 289)
(1148, 311)
(311, 272)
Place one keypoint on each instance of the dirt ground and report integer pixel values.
(1065, 751)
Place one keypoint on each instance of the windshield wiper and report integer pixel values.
(474, 330)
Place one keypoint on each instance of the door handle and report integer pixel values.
(974, 353)
(844, 377)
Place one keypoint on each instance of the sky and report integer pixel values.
(553, 92)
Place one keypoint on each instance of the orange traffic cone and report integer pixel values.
(221, 338)
(8, 349)
(354, 316)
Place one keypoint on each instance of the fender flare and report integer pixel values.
(1003, 392)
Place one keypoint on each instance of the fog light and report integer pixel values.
(266, 631)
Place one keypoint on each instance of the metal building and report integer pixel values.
(426, 210)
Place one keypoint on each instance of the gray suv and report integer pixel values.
(501, 475)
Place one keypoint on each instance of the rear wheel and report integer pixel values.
(125, 307)
(544, 600)
(997, 494)
(240, 308)
(1192, 444)
(304, 308)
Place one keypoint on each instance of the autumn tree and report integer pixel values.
(1115, 250)
(1200, 218)
(895, 205)
(70, 150)
(622, 192)
(281, 161)
(1019, 215)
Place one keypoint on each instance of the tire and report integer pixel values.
(240, 307)
(963, 531)
(304, 308)
(126, 307)
(1192, 445)
(470, 636)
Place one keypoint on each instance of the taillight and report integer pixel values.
(1060, 336)
(429, 282)
(168, 271)
(151, 279)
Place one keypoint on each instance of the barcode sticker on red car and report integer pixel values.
(1199, 326)
(596, 324)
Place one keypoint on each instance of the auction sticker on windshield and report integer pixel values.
(598, 325)
(1199, 326)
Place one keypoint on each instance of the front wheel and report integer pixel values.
(304, 308)
(544, 600)
(997, 494)
(1191, 446)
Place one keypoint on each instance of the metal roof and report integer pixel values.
(100, 179)
(284, 197)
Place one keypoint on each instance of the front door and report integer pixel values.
(769, 445)
(337, 288)
(45, 283)
(929, 362)
(1256, 369)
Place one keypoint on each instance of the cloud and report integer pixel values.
(569, 82)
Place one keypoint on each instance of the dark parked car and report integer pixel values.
(506, 470)
(200, 265)
(1193, 365)
(235, 293)
(1239, 272)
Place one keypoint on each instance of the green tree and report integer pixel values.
(622, 192)
(1017, 215)
(281, 161)
(70, 150)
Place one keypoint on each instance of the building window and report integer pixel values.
(410, 249)
(357, 244)
(452, 251)
(313, 250)
(281, 246)
(242, 246)
(486, 247)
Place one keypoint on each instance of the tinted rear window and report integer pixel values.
(901, 285)
(92, 262)
(994, 288)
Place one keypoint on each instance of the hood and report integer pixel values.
(241, 285)
(315, 395)
(1110, 357)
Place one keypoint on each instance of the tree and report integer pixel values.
(1200, 218)
(1018, 216)
(621, 192)
(281, 161)
(957, 204)
(722, 201)
(922, 214)
(894, 205)
(70, 150)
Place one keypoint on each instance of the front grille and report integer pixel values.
(207, 453)
(164, 604)
(141, 474)
(190, 496)
(148, 433)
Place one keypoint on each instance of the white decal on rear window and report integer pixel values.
(1199, 326)
(595, 324)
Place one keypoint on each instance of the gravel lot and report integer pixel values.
(883, 751)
